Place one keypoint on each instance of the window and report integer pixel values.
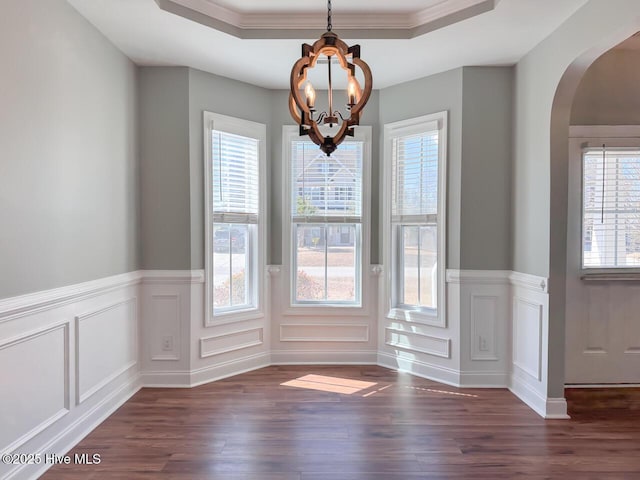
(326, 221)
(415, 206)
(234, 191)
(611, 208)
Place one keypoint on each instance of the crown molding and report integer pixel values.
(349, 25)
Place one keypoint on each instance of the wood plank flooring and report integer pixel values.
(358, 423)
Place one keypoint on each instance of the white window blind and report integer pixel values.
(235, 178)
(611, 208)
(326, 189)
(415, 178)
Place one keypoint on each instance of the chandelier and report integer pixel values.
(302, 97)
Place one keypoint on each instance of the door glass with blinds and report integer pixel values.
(235, 203)
(326, 220)
(415, 219)
(611, 208)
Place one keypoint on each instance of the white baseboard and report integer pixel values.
(529, 396)
(556, 409)
(168, 379)
(548, 408)
(420, 369)
(208, 374)
(484, 380)
(323, 357)
(228, 369)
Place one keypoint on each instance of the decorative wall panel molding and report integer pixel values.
(484, 330)
(106, 346)
(530, 327)
(230, 342)
(418, 342)
(527, 337)
(35, 384)
(165, 335)
(324, 332)
(51, 339)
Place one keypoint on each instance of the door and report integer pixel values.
(602, 306)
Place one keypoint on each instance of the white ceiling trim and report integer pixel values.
(444, 9)
(149, 35)
(405, 24)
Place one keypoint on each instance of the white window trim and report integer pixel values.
(390, 242)
(363, 134)
(214, 121)
(587, 137)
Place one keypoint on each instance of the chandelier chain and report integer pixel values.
(329, 25)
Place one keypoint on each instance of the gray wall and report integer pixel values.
(221, 95)
(608, 93)
(164, 159)
(478, 200)
(172, 102)
(68, 151)
(479, 102)
(485, 225)
(433, 94)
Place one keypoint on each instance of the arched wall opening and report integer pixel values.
(602, 295)
(546, 80)
(601, 39)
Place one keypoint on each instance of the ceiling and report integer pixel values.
(256, 41)
(356, 19)
(285, 6)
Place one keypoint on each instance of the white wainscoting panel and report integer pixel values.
(324, 332)
(83, 343)
(484, 329)
(414, 341)
(170, 301)
(69, 359)
(429, 351)
(530, 332)
(35, 389)
(229, 342)
(484, 314)
(165, 336)
(308, 334)
(527, 336)
(106, 346)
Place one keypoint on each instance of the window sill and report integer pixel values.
(611, 276)
(325, 310)
(234, 316)
(415, 316)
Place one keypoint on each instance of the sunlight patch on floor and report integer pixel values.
(329, 384)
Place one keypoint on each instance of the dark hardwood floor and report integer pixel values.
(358, 423)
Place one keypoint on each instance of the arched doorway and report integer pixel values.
(603, 228)
(587, 50)
(546, 80)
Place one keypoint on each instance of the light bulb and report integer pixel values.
(353, 91)
(310, 93)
